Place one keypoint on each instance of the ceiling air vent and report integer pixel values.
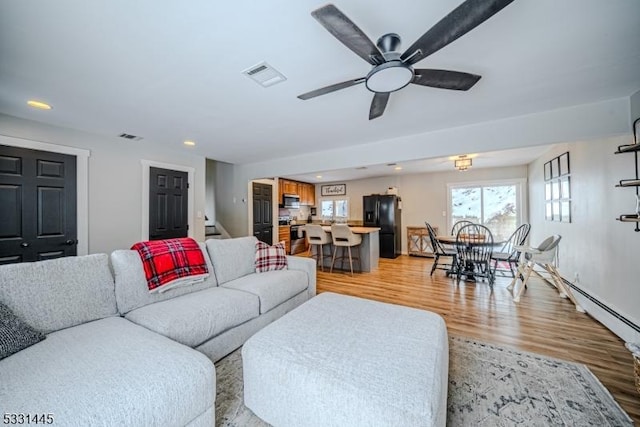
(264, 74)
(130, 137)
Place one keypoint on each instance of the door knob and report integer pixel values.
(24, 245)
(70, 242)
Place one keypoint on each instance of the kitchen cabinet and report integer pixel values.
(307, 194)
(418, 241)
(284, 235)
(289, 187)
(306, 191)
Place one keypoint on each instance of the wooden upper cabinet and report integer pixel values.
(286, 187)
(309, 195)
(306, 191)
(289, 187)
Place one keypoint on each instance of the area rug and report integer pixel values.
(488, 386)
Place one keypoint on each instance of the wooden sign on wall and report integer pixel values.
(333, 190)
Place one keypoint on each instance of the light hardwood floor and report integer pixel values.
(541, 322)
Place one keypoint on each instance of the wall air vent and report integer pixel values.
(264, 74)
(130, 137)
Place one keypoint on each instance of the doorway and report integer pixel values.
(168, 204)
(38, 205)
(263, 212)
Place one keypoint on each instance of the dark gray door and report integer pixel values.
(262, 213)
(37, 205)
(168, 204)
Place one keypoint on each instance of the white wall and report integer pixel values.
(210, 192)
(605, 253)
(115, 179)
(231, 197)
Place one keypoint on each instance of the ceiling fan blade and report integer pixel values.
(378, 104)
(445, 79)
(328, 89)
(460, 21)
(348, 33)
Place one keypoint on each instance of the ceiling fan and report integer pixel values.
(392, 70)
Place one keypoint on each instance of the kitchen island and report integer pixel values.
(369, 249)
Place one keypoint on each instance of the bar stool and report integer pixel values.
(317, 237)
(343, 237)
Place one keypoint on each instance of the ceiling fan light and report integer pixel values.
(389, 77)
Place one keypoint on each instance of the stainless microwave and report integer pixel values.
(291, 201)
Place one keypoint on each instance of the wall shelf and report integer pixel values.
(629, 218)
(630, 148)
(634, 182)
(629, 183)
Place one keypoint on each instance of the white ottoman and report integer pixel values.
(345, 361)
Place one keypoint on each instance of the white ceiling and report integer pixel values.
(171, 70)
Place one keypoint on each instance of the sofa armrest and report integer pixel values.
(308, 265)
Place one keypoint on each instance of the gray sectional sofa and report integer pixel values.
(115, 354)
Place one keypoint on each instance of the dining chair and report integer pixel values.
(317, 237)
(440, 251)
(458, 225)
(474, 244)
(508, 253)
(343, 237)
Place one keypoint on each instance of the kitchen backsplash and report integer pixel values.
(299, 215)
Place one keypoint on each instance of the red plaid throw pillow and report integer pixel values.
(269, 258)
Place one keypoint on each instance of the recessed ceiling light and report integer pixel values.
(38, 104)
(398, 168)
(318, 176)
(189, 143)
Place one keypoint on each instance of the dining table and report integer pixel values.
(470, 242)
(451, 240)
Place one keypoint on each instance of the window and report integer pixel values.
(496, 205)
(335, 209)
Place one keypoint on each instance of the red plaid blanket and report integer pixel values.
(172, 262)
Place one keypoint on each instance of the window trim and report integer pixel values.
(521, 196)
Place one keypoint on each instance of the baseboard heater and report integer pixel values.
(606, 308)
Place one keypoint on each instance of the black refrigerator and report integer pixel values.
(381, 210)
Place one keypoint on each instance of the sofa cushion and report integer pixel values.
(195, 318)
(59, 293)
(15, 335)
(272, 287)
(131, 286)
(232, 258)
(270, 258)
(109, 372)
